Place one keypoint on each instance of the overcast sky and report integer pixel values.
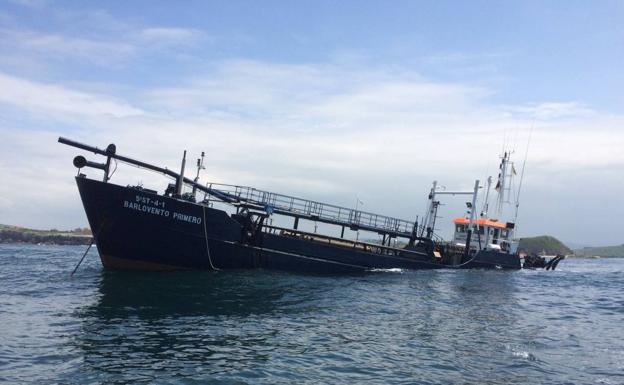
(323, 99)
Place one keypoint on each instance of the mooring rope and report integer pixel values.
(83, 256)
(206, 238)
(88, 248)
(465, 263)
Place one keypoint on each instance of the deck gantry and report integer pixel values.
(274, 203)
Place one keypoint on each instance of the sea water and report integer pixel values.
(263, 327)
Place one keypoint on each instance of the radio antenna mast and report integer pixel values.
(526, 155)
(200, 166)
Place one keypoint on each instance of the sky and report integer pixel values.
(326, 100)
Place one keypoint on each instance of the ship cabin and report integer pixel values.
(488, 234)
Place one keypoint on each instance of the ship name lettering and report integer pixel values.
(187, 218)
(146, 209)
(149, 201)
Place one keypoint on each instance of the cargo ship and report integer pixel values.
(181, 228)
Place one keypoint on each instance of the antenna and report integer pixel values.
(200, 166)
(526, 155)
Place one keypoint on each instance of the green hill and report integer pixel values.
(545, 243)
(607, 251)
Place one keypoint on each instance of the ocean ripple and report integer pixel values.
(262, 327)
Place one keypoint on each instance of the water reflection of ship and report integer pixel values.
(141, 326)
(149, 296)
(144, 323)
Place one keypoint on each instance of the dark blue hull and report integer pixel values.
(136, 229)
(487, 259)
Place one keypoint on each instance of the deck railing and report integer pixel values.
(299, 207)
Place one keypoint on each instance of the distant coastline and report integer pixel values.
(548, 245)
(601, 252)
(17, 234)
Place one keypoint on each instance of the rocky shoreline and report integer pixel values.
(15, 234)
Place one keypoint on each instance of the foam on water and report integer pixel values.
(392, 270)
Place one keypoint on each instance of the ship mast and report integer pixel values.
(200, 166)
(486, 204)
(429, 222)
(503, 186)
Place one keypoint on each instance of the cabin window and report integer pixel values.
(504, 233)
(482, 230)
(459, 228)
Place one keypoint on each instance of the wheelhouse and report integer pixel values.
(489, 234)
